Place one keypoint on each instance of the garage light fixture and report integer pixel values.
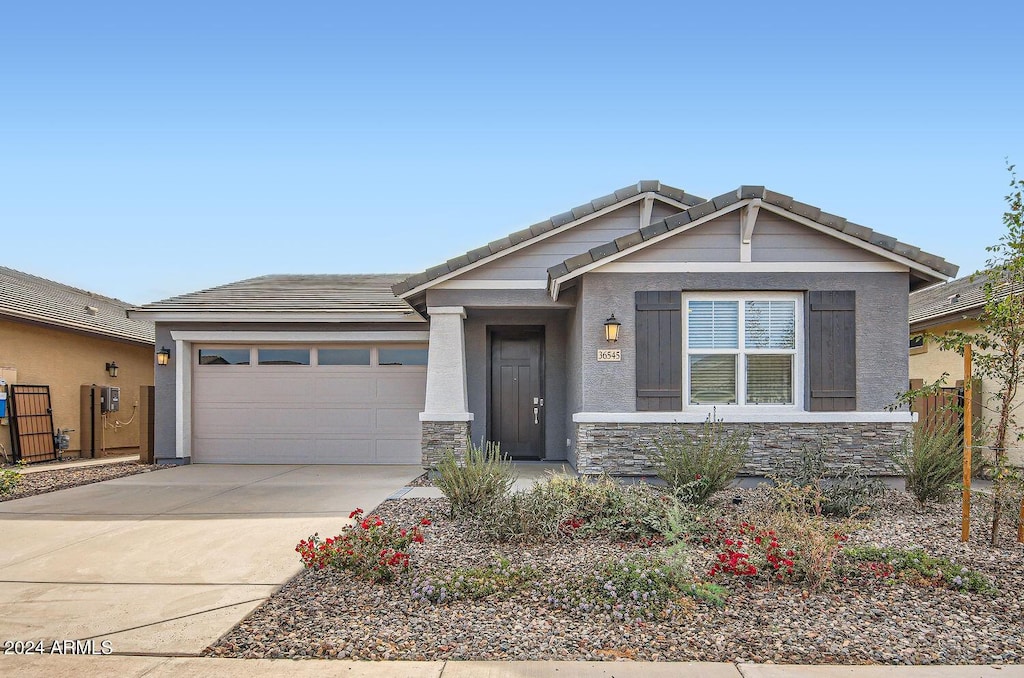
(611, 329)
(163, 356)
(112, 369)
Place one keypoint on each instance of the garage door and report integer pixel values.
(308, 404)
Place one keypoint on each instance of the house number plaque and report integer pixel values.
(609, 355)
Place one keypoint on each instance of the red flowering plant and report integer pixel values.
(370, 548)
(793, 549)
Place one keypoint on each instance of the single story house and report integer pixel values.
(956, 305)
(61, 338)
(750, 307)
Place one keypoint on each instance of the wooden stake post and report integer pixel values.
(965, 521)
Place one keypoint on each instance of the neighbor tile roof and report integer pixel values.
(293, 293)
(36, 299)
(771, 197)
(954, 300)
(595, 205)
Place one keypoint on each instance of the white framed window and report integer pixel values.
(743, 349)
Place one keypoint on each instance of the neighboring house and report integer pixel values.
(62, 337)
(750, 307)
(956, 305)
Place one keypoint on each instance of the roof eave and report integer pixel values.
(410, 316)
(78, 328)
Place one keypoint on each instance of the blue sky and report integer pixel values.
(149, 149)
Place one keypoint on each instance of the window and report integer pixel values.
(402, 356)
(283, 356)
(742, 349)
(223, 356)
(917, 344)
(343, 356)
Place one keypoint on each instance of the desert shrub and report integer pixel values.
(780, 546)
(498, 579)
(916, 566)
(567, 507)
(369, 549)
(483, 475)
(533, 515)
(932, 460)
(9, 479)
(695, 466)
(640, 585)
(815, 486)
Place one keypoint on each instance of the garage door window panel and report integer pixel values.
(225, 356)
(343, 356)
(283, 356)
(388, 357)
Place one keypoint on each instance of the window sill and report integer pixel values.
(744, 416)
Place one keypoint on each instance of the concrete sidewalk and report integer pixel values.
(156, 667)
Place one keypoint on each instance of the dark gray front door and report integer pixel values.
(517, 391)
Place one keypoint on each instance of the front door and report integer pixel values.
(517, 391)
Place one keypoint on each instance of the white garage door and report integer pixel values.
(308, 404)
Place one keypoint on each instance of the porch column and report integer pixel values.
(446, 416)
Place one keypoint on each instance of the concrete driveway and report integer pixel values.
(168, 561)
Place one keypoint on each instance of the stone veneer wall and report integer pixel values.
(625, 449)
(439, 436)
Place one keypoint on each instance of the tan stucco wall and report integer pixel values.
(930, 363)
(64, 361)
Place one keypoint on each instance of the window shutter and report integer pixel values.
(832, 349)
(659, 351)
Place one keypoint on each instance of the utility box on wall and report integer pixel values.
(110, 399)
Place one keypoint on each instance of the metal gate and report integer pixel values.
(31, 423)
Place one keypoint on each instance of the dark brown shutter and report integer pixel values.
(659, 351)
(832, 349)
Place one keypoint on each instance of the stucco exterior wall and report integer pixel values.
(929, 363)
(64, 361)
(882, 301)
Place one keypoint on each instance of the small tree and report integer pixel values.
(1000, 340)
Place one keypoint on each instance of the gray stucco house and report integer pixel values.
(755, 308)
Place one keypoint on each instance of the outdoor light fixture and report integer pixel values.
(163, 356)
(611, 329)
(112, 369)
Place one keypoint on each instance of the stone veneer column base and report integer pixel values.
(627, 449)
(440, 436)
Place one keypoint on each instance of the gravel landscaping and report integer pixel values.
(855, 619)
(58, 478)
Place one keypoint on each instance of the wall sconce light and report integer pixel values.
(611, 329)
(163, 356)
(112, 369)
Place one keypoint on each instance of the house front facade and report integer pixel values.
(751, 308)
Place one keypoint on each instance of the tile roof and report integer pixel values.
(368, 294)
(956, 299)
(36, 299)
(771, 197)
(595, 205)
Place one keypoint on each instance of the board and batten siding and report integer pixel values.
(533, 262)
(775, 238)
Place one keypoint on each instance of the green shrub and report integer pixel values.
(637, 586)
(483, 475)
(9, 480)
(697, 466)
(814, 486)
(916, 566)
(499, 579)
(932, 460)
(565, 507)
(533, 515)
